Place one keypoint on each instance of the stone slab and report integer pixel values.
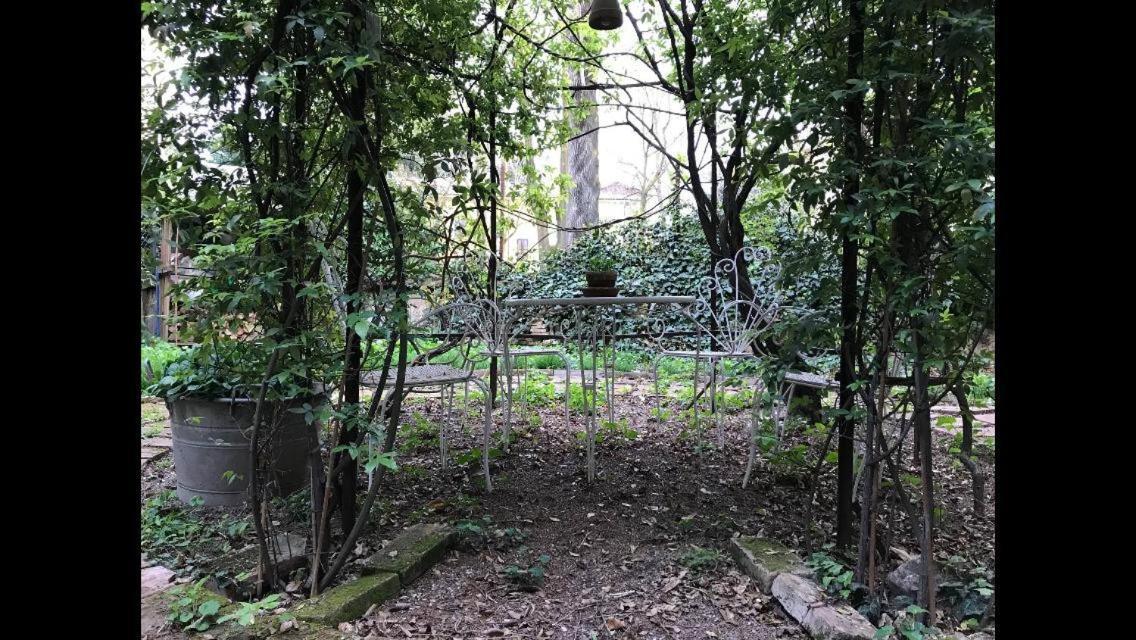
(350, 601)
(838, 623)
(804, 601)
(414, 551)
(763, 559)
(155, 580)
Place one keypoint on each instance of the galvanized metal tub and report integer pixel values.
(210, 439)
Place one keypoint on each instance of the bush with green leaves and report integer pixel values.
(529, 579)
(537, 391)
(701, 559)
(906, 626)
(969, 591)
(192, 608)
(229, 368)
(482, 533)
(668, 257)
(156, 356)
(600, 263)
(980, 389)
(834, 576)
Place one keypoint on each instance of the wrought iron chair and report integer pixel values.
(496, 329)
(729, 323)
(454, 322)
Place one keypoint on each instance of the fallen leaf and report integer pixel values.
(615, 623)
(671, 583)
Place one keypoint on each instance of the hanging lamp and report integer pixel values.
(605, 15)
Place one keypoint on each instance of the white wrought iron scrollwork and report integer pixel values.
(733, 318)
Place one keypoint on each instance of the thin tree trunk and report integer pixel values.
(849, 274)
(978, 479)
(356, 188)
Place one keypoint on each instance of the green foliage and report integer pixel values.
(177, 534)
(156, 356)
(980, 390)
(528, 579)
(225, 369)
(472, 457)
(834, 576)
(907, 626)
(601, 263)
(667, 258)
(246, 612)
(417, 434)
(537, 391)
(607, 431)
(970, 595)
(192, 609)
(701, 559)
(580, 399)
(482, 533)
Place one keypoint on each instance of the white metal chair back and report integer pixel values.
(733, 319)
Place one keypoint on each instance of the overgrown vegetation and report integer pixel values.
(323, 163)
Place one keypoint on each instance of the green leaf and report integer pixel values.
(361, 328)
(208, 608)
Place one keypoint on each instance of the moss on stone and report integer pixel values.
(763, 559)
(416, 550)
(774, 555)
(349, 601)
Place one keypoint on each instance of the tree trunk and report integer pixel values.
(583, 162)
(356, 188)
(849, 274)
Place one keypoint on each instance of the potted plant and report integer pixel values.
(211, 395)
(601, 275)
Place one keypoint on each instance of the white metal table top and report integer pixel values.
(596, 301)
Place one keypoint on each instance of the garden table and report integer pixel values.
(592, 329)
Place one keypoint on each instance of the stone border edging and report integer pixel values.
(417, 548)
(779, 571)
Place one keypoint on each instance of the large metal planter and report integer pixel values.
(210, 438)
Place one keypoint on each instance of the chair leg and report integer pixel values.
(508, 402)
(487, 433)
(782, 413)
(442, 431)
(753, 430)
(694, 401)
(522, 386)
(567, 383)
(655, 383)
(713, 402)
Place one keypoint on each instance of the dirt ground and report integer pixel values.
(640, 553)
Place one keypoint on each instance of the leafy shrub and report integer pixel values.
(481, 533)
(664, 258)
(537, 391)
(981, 390)
(225, 369)
(600, 263)
(156, 355)
(528, 579)
(701, 559)
(192, 608)
(580, 399)
(834, 576)
(907, 626)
